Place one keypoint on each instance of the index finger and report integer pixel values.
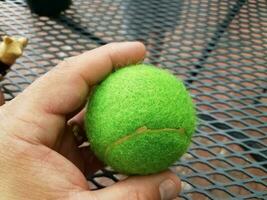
(65, 88)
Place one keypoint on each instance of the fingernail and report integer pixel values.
(70, 122)
(167, 190)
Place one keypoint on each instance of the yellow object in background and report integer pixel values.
(11, 48)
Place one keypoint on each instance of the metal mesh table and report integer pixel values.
(218, 47)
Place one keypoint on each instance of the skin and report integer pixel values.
(39, 156)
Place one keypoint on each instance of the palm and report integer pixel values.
(58, 172)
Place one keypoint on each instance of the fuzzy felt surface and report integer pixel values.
(140, 119)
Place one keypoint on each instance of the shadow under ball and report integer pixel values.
(48, 7)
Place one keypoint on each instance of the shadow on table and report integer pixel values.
(149, 21)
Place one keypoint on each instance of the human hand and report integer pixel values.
(39, 156)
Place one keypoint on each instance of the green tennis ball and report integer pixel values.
(140, 120)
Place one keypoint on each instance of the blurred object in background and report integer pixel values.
(11, 48)
(48, 7)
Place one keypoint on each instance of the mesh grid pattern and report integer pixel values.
(217, 47)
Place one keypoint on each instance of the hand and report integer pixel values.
(39, 156)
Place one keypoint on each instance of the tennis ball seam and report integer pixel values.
(139, 131)
(135, 97)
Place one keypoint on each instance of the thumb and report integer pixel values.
(164, 186)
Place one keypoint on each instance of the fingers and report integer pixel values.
(77, 119)
(164, 186)
(43, 106)
(91, 162)
(77, 124)
(66, 87)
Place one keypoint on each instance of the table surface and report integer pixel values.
(219, 49)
